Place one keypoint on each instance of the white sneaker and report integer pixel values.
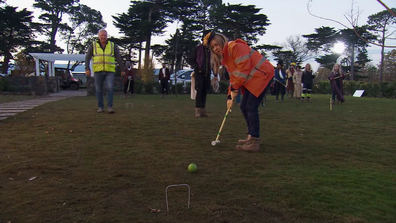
(110, 110)
(100, 110)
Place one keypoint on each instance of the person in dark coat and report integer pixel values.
(280, 81)
(336, 77)
(307, 81)
(199, 60)
(164, 77)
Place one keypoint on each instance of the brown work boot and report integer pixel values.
(243, 141)
(197, 112)
(252, 145)
(203, 113)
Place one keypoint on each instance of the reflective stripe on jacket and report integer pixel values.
(103, 60)
(247, 67)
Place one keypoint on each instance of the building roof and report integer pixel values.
(52, 57)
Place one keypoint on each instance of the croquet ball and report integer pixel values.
(192, 168)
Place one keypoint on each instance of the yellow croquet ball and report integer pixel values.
(192, 168)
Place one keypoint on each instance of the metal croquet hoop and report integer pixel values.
(177, 185)
(127, 105)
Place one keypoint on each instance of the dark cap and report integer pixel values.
(208, 37)
(205, 32)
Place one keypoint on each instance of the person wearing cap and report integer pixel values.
(199, 60)
(297, 82)
(290, 85)
(164, 77)
(280, 81)
(248, 71)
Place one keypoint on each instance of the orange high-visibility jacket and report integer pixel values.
(247, 67)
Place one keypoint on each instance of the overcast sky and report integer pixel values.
(287, 17)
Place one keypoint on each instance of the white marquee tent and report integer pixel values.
(51, 58)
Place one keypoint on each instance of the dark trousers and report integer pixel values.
(129, 83)
(279, 88)
(307, 88)
(164, 86)
(202, 84)
(338, 83)
(249, 107)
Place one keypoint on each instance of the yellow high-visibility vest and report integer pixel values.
(103, 60)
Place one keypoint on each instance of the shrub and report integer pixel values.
(323, 87)
(149, 88)
(156, 87)
(179, 87)
(4, 85)
(138, 87)
(188, 88)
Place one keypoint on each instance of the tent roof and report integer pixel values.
(52, 57)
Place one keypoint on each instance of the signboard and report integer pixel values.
(358, 93)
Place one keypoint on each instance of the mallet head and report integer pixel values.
(215, 142)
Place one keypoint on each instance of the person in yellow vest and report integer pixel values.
(104, 54)
(248, 71)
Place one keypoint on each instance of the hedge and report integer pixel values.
(376, 89)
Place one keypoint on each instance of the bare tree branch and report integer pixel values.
(387, 8)
(353, 21)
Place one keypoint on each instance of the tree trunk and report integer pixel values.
(176, 53)
(140, 56)
(382, 57)
(148, 43)
(352, 61)
(52, 40)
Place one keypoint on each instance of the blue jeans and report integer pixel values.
(108, 79)
(249, 107)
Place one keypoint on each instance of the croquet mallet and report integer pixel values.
(280, 82)
(129, 84)
(221, 127)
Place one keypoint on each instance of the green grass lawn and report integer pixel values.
(315, 165)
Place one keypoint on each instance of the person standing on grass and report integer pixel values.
(280, 81)
(297, 83)
(248, 71)
(290, 85)
(129, 78)
(199, 60)
(307, 80)
(164, 77)
(336, 77)
(104, 54)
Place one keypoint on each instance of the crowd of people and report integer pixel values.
(248, 72)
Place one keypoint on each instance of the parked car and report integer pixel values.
(183, 77)
(81, 77)
(67, 79)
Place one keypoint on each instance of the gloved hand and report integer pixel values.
(230, 103)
